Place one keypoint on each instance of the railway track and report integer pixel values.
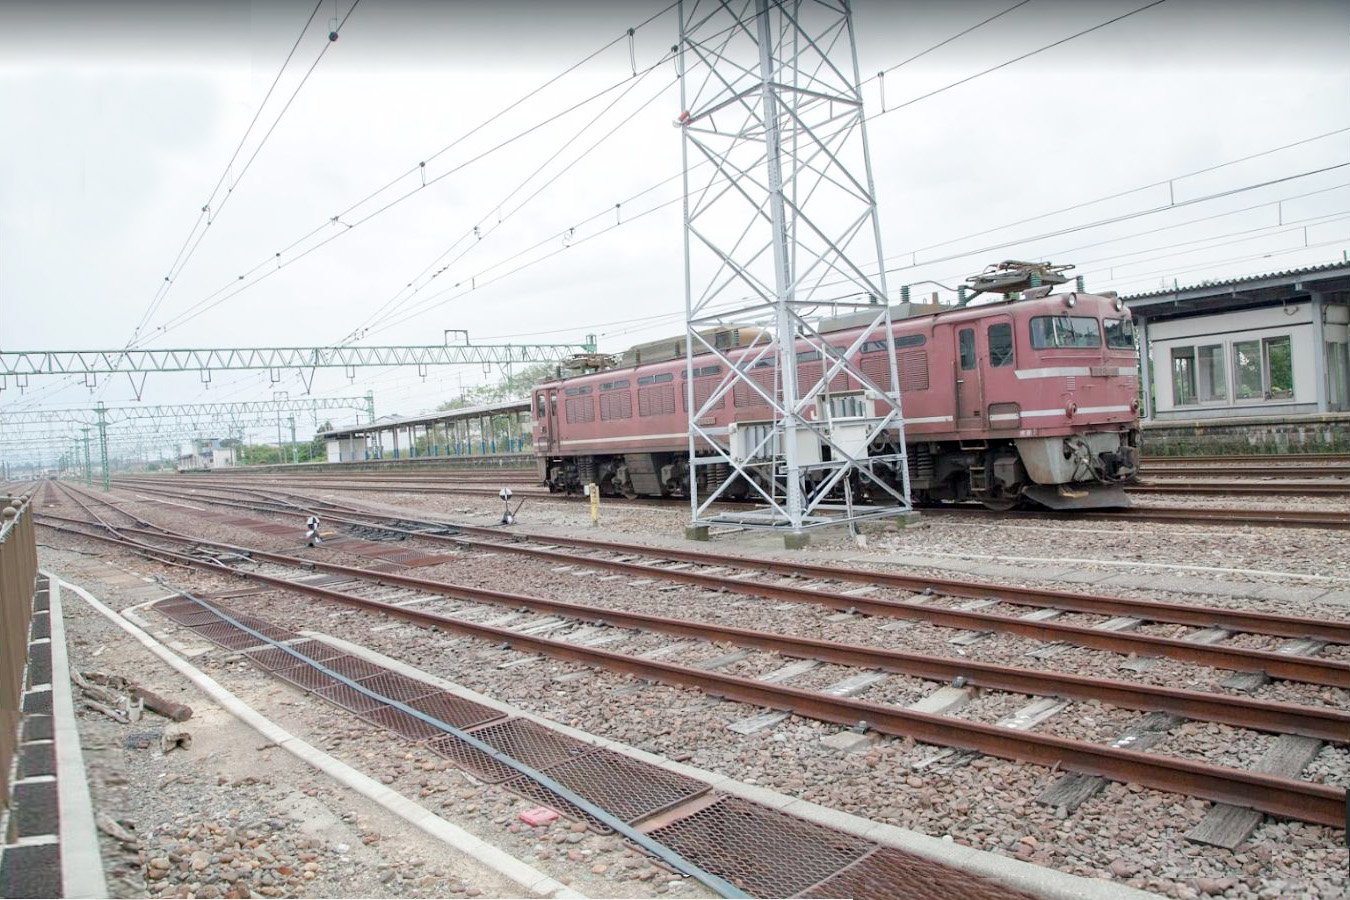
(1228, 516)
(1243, 488)
(1253, 459)
(1280, 796)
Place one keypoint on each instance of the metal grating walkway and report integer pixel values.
(764, 852)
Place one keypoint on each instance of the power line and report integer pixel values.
(476, 232)
(207, 213)
(1340, 241)
(1125, 217)
(214, 299)
(1028, 55)
(381, 314)
(1116, 196)
(182, 318)
(941, 44)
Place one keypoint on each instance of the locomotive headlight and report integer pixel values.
(1070, 300)
(1120, 303)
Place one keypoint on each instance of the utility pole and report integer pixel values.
(771, 96)
(103, 444)
(295, 451)
(88, 469)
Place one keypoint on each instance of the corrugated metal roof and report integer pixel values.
(385, 422)
(1307, 270)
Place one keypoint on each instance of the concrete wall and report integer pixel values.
(1328, 433)
(345, 449)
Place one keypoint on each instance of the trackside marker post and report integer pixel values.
(593, 491)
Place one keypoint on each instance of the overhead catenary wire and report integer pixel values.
(234, 288)
(210, 210)
(1165, 182)
(480, 281)
(420, 169)
(394, 303)
(940, 44)
(1027, 55)
(275, 263)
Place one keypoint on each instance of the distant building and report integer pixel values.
(1269, 354)
(210, 455)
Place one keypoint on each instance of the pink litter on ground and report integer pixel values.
(540, 815)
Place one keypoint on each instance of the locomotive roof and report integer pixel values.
(960, 312)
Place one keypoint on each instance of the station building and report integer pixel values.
(1261, 362)
(475, 431)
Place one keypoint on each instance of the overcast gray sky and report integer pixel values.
(119, 119)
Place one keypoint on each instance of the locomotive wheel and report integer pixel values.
(1000, 504)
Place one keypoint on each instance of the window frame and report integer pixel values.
(1038, 342)
(1121, 321)
(1003, 361)
(967, 363)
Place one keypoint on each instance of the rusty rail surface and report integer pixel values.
(1274, 624)
(1265, 518)
(18, 580)
(1287, 797)
(1278, 717)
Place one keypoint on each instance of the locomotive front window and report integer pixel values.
(1119, 333)
(1057, 332)
(1000, 344)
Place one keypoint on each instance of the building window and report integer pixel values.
(1183, 376)
(1000, 344)
(1247, 369)
(1264, 369)
(1277, 357)
(1064, 331)
(966, 340)
(1338, 365)
(1198, 375)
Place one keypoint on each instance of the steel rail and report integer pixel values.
(1286, 797)
(1277, 665)
(1228, 470)
(1277, 717)
(1176, 613)
(1187, 515)
(1243, 488)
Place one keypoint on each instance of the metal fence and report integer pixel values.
(18, 579)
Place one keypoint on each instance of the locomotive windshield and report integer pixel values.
(1119, 333)
(1050, 332)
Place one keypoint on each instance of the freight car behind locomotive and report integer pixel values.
(1024, 399)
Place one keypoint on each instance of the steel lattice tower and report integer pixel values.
(781, 225)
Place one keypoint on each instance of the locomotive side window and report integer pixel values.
(1119, 333)
(1000, 344)
(1057, 332)
(966, 338)
(901, 340)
